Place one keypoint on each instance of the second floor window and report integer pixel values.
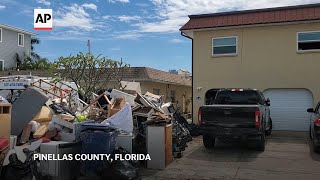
(308, 41)
(224, 46)
(1, 65)
(20, 39)
(0, 35)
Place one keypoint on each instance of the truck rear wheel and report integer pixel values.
(261, 144)
(208, 141)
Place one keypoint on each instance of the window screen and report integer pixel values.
(20, 39)
(308, 41)
(224, 46)
(1, 65)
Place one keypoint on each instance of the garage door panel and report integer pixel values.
(288, 108)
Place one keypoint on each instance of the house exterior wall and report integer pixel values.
(165, 89)
(267, 58)
(9, 47)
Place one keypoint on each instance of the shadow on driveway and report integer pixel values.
(235, 151)
(225, 151)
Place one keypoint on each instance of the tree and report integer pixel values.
(43, 64)
(89, 73)
(34, 55)
(26, 63)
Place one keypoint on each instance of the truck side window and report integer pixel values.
(317, 110)
(263, 99)
(237, 97)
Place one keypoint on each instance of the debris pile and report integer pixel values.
(37, 117)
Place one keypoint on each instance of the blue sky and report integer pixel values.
(142, 32)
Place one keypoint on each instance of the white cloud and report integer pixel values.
(128, 19)
(44, 2)
(173, 13)
(121, 1)
(2, 7)
(106, 17)
(90, 6)
(175, 40)
(128, 35)
(76, 17)
(142, 5)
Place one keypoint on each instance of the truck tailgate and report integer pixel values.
(229, 115)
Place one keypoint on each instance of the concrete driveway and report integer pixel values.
(288, 155)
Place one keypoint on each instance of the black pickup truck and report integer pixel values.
(236, 113)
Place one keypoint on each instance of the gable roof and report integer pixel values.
(287, 14)
(155, 75)
(130, 74)
(4, 26)
(167, 77)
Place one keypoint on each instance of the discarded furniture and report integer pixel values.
(61, 169)
(54, 88)
(4, 148)
(25, 108)
(116, 106)
(124, 140)
(119, 94)
(159, 146)
(13, 141)
(44, 115)
(26, 134)
(5, 120)
(98, 108)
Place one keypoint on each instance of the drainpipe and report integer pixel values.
(192, 113)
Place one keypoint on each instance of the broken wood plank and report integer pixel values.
(41, 131)
(92, 103)
(117, 105)
(26, 134)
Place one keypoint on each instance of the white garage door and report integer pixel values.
(288, 108)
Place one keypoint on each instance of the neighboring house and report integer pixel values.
(184, 73)
(13, 41)
(173, 71)
(174, 88)
(275, 50)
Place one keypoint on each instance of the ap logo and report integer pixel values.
(42, 19)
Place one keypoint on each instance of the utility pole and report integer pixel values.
(89, 45)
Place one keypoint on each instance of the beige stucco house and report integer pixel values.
(174, 88)
(274, 50)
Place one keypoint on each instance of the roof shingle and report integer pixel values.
(251, 17)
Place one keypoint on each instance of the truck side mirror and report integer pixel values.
(268, 102)
(310, 110)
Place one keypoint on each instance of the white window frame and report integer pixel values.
(2, 65)
(1, 34)
(222, 55)
(22, 39)
(297, 42)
